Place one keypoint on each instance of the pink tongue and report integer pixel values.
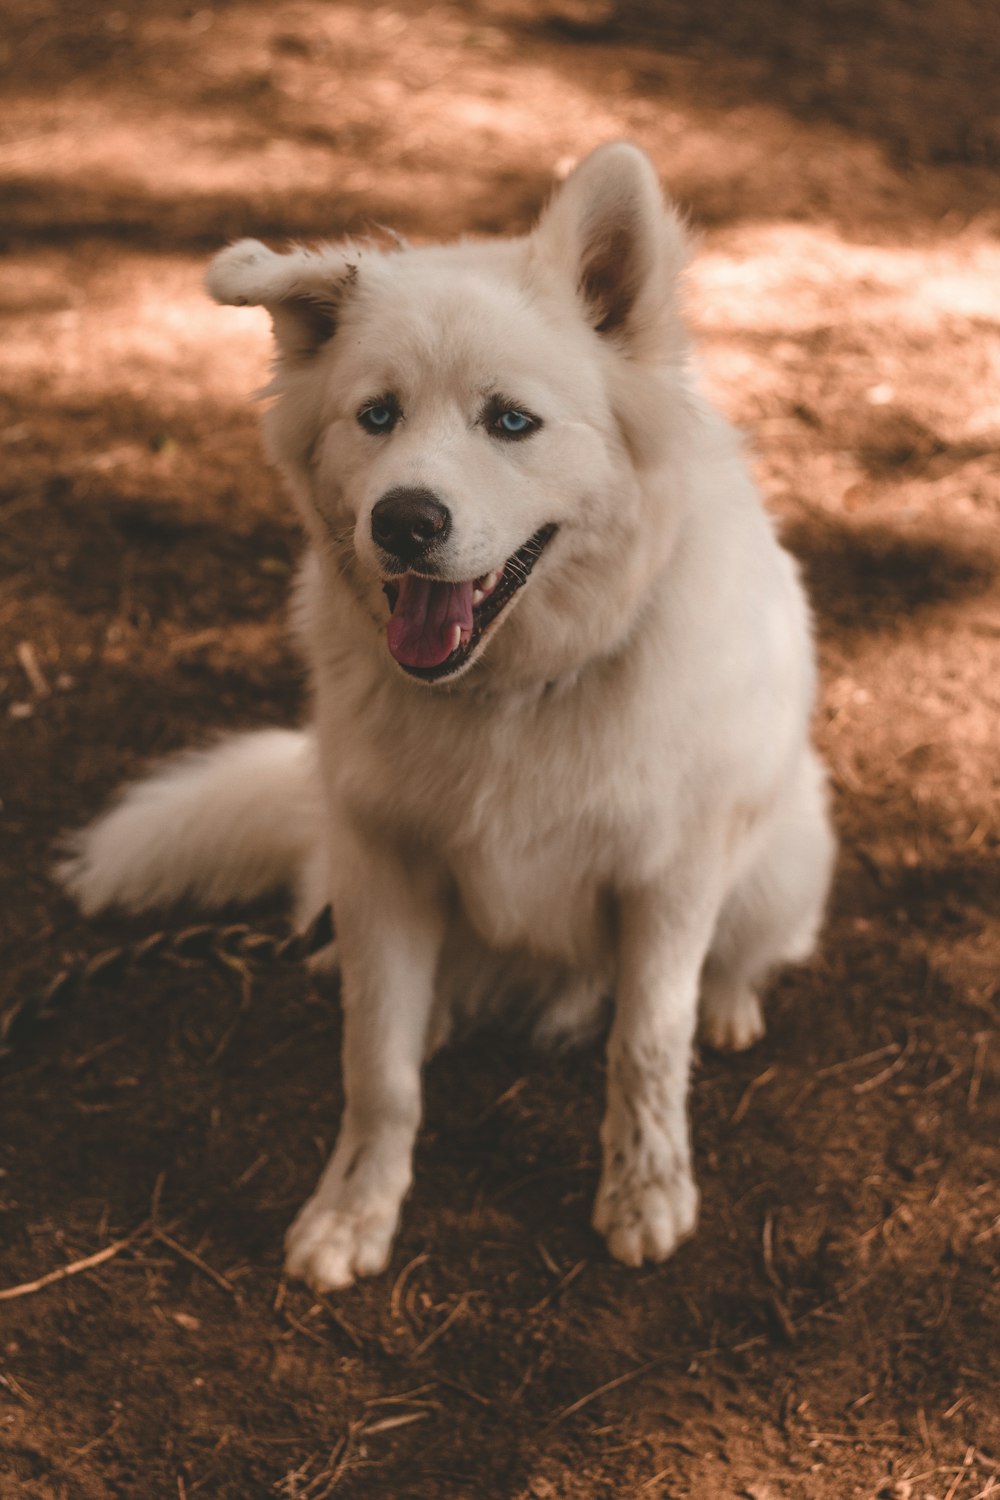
(421, 631)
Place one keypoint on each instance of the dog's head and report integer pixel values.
(473, 426)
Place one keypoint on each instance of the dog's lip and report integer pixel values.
(512, 577)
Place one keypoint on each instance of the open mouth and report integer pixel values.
(436, 626)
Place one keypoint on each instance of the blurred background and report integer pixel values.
(832, 1331)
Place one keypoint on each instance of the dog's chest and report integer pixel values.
(549, 893)
(532, 824)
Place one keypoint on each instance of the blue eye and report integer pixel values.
(513, 423)
(380, 417)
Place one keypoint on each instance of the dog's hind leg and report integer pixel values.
(389, 930)
(772, 916)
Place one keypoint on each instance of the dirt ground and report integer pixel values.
(834, 1329)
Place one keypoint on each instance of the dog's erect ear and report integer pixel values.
(607, 228)
(301, 290)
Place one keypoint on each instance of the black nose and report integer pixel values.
(408, 522)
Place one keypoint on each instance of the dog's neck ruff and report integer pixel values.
(436, 625)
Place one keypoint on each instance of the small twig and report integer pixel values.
(602, 1390)
(755, 1083)
(889, 1050)
(340, 1465)
(16, 1388)
(386, 1424)
(961, 1473)
(548, 1262)
(976, 1081)
(443, 1327)
(299, 1327)
(102, 1437)
(503, 1098)
(290, 1482)
(195, 1260)
(463, 1390)
(253, 1169)
(243, 974)
(985, 1234)
(396, 1295)
(894, 1067)
(93, 1053)
(533, 1177)
(407, 1398)
(938, 1084)
(327, 1478)
(560, 1286)
(862, 856)
(154, 1202)
(767, 1248)
(925, 1432)
(776, 1289)
(743, 1346)
(647, 1484)
(341, 1322)
(28, 658)
(74, 1268)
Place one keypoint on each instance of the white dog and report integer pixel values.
(563, 675)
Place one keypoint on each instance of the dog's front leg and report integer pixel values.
(647, 1202)
(389, 928)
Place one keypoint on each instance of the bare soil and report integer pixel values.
(834, 1329)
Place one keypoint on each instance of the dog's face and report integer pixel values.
(466, 425)
(465, 436)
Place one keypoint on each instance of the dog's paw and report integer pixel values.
(731, 1021)
(329, 1246)
(644, 1214)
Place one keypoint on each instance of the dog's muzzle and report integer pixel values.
(436, 626)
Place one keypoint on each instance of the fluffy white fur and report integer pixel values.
(616, 795)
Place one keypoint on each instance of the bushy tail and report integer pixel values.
(218, 825)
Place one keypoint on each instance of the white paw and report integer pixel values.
(329, 1246)
(733, 1022)
(643, 1213)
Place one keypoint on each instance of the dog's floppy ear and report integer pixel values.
(608, 228)
(302, 290)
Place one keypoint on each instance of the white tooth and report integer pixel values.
(456, 638)
(491, 580)
(478, 596)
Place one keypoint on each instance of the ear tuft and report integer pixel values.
(302, 290)
(243, 274)
(608, 229)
